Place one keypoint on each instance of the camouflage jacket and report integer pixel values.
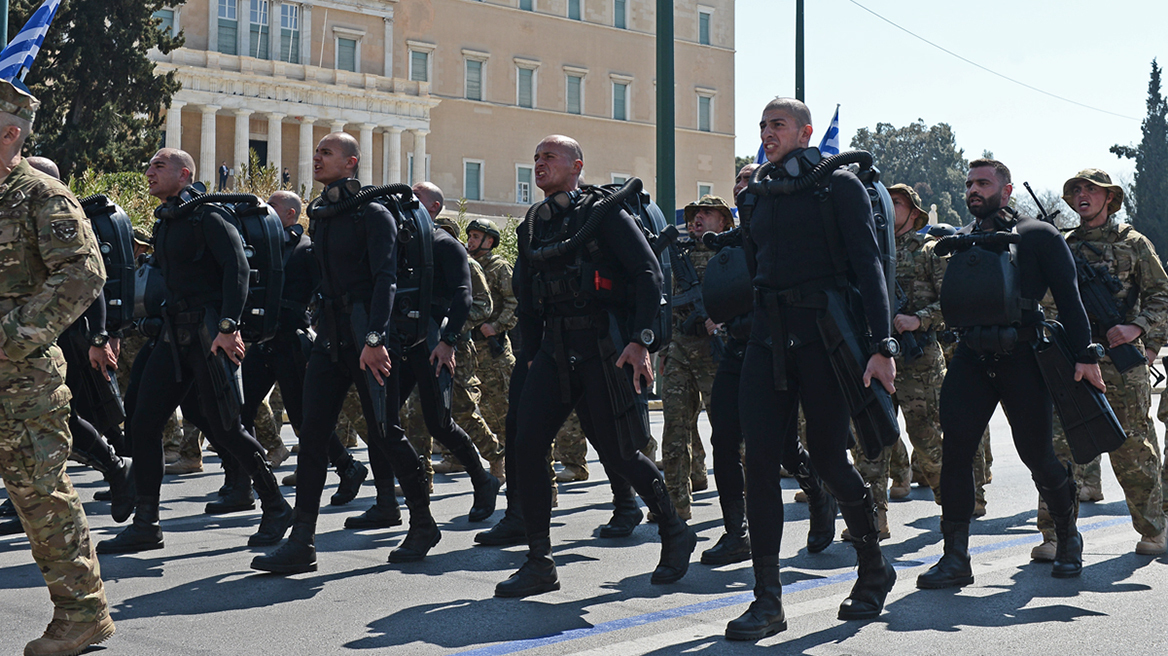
(481, 304)
(700, 256)
(1132, 259)
(50, 272)
(919, 273)
(498, 272)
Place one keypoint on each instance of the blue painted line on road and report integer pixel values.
(516, 646)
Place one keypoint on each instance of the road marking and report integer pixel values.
(638, 645)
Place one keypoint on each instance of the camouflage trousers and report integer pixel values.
(1162, 415)
(33, 451)
(494, 373)
(1137, 462)
(570, 446)
(351, 419)
(465, 402)
(687, 379)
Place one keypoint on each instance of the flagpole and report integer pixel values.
(799, 87)
(3, 23)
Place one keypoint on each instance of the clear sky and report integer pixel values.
(1094, 53)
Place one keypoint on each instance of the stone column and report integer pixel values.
(388, 67)
(273, 33)
(337, 125)
(419, 156)
(276, 141)
(243, 28)
(306, 35)
(304, 175)
(391, 142)
(365, 166)
(213, 27)
(174, 124)
(207, 167)
(242, 130)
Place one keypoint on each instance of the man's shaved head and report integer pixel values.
(44, 165)
(430, 197)
(570, 145)
(180, 158)
(282, 202)
(793, 107)
(346, 143)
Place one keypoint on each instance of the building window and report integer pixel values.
(620, 101)
(259, 29)
(419, 66)
(472, 180)
(703, 27)
(346, 54)
(574, 9)
(525, 95)
(166, 18)
(523, 177)
(705, 189)
(620, 14)
(474, 79)
(575, 94)
(228, 27)
(527, 5)
(619, 178)
(290, 33)
(705, 108)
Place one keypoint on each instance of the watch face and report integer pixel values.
(373, 339)
(647, 337)
(226, 326)
(891, 347)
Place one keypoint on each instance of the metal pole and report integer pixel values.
(3, 23)
(799, 88)
(666, 156)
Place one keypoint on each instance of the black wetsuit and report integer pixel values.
(793, 250)
(567, 338)
(357, 255)
(975, 384)
(88, 431)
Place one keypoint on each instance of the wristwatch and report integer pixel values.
(646, 338)
(888, 347)
(449, 337)
(228, 326)
(99, 339)
(374, 339)
(1093, 354)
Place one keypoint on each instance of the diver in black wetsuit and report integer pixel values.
(357, 252)
(988, 369)
(587, 271)
(802, 259)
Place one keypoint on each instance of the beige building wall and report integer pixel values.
(399, 114)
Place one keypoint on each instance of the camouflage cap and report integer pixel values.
(915, 199)
(448, 224)
(17, 102)
(140, 237)
(1098, 177)
(711, 203)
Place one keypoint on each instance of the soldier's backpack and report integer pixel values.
(115, 239)
(263, 244)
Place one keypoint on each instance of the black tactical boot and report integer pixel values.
(536, 576)
(734, 545)
(626, 514)
(118, 472)
(765, 615)
(277, 515)
(1068, 554)
(510, 530)
(236, 494)
(953, 570)
(382, 514)
(486, 486)
(296, 555)
(352, 475)
(7, 509)
(11, 526)
(820, 504)
(424, 533)
(143, 534)
(677, 539)
(876, 575)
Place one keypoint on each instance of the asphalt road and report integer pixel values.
(198, 596)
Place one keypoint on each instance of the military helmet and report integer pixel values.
(1100, 178)
(448, 224)
(942, 230)
(486, 227)
(915, 199)
(710, 202)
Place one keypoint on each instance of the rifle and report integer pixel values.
(689, 292)
(910, 348)
(1043, 215)
(1097, 288)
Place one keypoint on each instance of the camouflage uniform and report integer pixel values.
(494, 370)
(50, 272)
(570, 446)
(687, 379)
(1130, 257)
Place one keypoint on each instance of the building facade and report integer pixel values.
(453, 91)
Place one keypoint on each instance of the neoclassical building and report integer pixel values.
(453, 91)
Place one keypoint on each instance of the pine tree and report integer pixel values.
(101, 103)
(1146, 200)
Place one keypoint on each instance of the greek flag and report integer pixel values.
(830, 143)
(17, 57)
